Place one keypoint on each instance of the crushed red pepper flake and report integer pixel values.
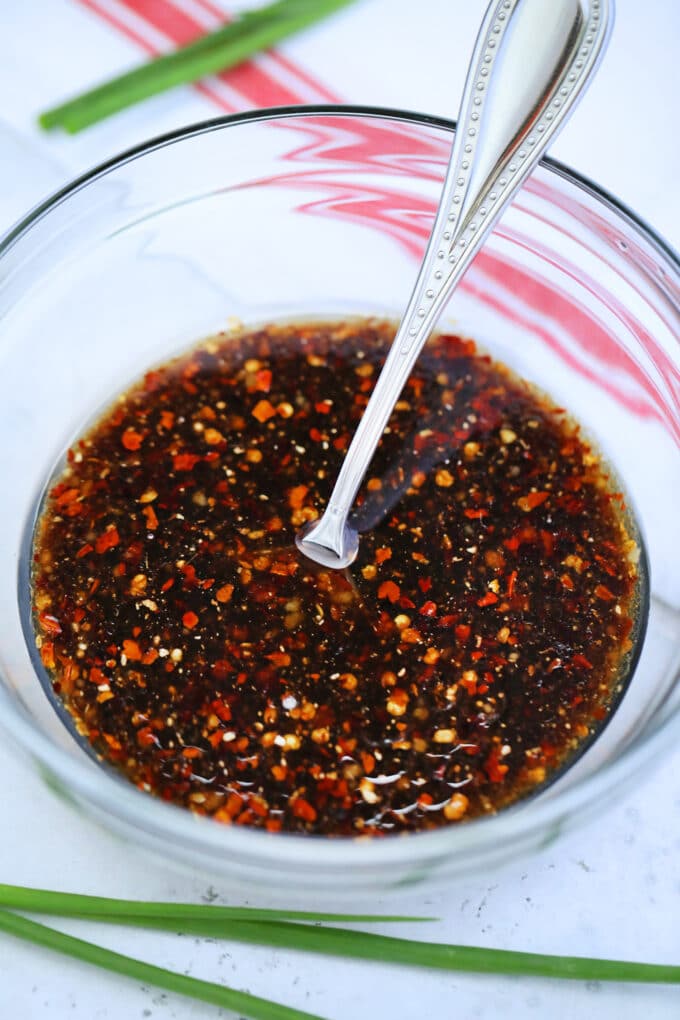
(185, 461)
(532, 500)
(150, 517)
(213, 437)
(47, 654)
(49, 623)
(297, 495)
(480, 638)
(131, 650)
(131, 439)
(389, 590)
(263, 380)
(109, 539)
(263, 411)
(494, 768)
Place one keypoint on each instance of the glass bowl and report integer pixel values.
(324, 212)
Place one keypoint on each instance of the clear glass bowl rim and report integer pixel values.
(134, 807)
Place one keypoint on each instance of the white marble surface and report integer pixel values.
(612, 889)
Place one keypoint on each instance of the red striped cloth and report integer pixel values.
(274, 79)
(156, 26)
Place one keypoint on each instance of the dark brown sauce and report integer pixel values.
(475, 647)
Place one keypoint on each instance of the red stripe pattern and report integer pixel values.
(582, 343)
(249, 85)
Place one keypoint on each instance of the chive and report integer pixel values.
(206, 991)
(408, 952)
(228, 46)
(44, 901)
(276, 928)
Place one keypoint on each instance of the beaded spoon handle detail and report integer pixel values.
(531, 62)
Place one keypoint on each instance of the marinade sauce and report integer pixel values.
(477, 643)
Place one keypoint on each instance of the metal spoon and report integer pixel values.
(531, 62)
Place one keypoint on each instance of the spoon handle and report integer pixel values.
(531, 62)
